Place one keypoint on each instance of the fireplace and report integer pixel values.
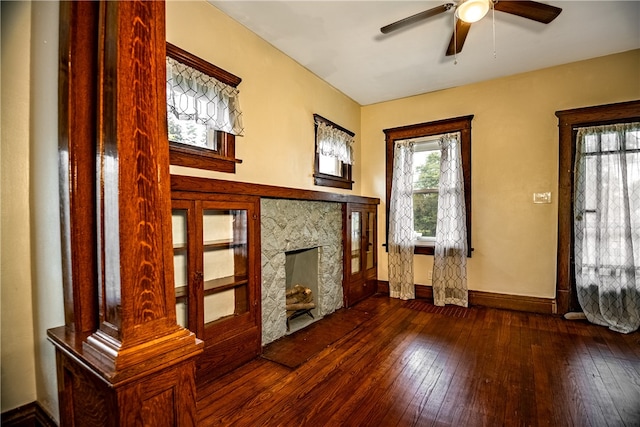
(295, 227)
(301, 284)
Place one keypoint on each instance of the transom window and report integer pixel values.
(203, 112)
(333, 154)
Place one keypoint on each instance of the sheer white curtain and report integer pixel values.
(333, 142)
(401, 234)
(450, 255)
(193, 95)
(607, 225)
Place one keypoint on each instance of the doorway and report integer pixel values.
(568, 123)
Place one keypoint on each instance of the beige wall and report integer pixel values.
(278, 98)
(18, 364)
(30, 251)
(514, 154)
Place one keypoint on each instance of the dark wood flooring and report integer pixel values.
(406, 367)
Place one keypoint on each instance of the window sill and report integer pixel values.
(424, 248)
(332, 181)
(194, 157)
(421, 249)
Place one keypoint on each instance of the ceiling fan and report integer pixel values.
(470, 11)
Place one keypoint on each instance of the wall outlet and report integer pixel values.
(542, 197)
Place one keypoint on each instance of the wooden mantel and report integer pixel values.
(205, 185)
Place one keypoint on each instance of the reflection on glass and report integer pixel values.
(371, 220)
(355, 242)
(224, 263)
(180, 264)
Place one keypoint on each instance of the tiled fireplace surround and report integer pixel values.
(290, 225)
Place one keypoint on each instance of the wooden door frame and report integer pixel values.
(568, 123)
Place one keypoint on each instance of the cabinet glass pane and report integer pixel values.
(356, 234)
(180, 264)
(370, 224)
(224, 263)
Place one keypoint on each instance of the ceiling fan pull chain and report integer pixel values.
(493, 19)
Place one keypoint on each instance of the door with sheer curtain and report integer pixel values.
(607, 224)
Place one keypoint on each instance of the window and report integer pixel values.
(427, 172)
(426, 179)
(203, 113)
(333, 154)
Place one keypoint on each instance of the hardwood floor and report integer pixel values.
(404, 367)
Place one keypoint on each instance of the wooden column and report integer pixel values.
(122, 359)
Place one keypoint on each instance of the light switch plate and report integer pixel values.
(542, 197)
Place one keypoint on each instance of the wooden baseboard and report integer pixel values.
(490, 299)
(29, 415)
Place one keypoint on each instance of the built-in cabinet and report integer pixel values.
(360, 254)
(216, 253)
(217, 263)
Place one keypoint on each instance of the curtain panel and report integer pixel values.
(607, 225)
(333, 142)
(401, 234)
(450, 254)
(193, 95)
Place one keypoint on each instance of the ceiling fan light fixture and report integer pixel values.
(471, 11)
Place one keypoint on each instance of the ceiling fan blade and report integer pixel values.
(529, 9)
(416, 18)
(462, 29)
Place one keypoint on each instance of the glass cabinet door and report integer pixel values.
(225, 285)
(180, 265)
(356, 234)
(370, 224)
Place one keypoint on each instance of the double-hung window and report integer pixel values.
(426, 174)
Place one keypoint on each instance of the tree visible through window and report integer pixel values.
(426, 179)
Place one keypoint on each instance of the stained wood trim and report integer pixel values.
(206, 185)
(31, 414)
(201, 65)
(319, 118)
(77, 88)
(489, 299)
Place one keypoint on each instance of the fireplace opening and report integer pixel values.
(301, 268)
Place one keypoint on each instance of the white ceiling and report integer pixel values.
(340, 41)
